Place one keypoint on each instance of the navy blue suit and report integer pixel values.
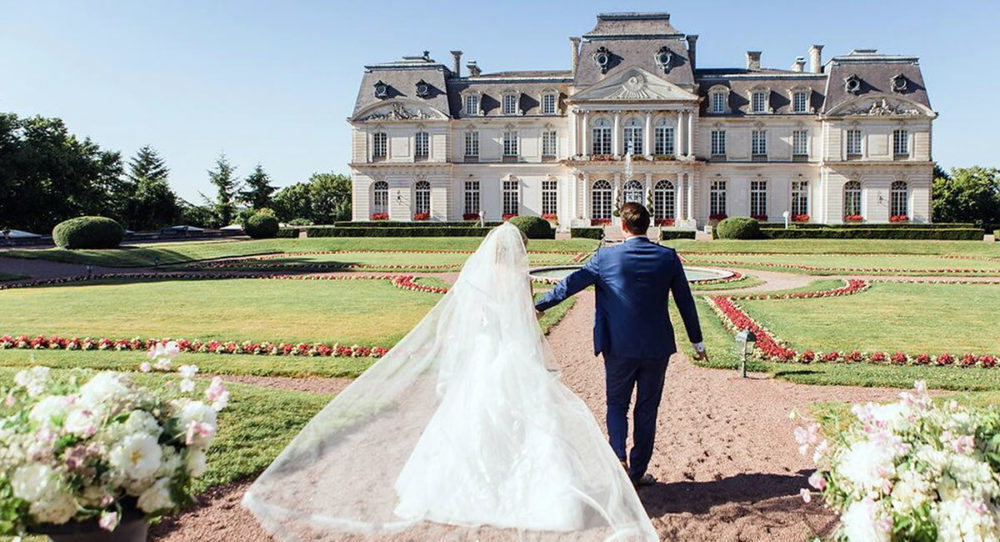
(632, 330)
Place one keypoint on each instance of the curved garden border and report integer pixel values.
(846, 270)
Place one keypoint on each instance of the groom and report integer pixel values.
(632, 329)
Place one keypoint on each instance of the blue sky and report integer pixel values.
(273, 82)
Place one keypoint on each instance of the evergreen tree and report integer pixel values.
(146, 200)
(258, 189)
(147, 164)
(223, 177)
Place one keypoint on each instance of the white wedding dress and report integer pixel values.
(463, 431)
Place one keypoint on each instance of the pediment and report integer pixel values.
(400, 111)
(880, 106)
(632, 85)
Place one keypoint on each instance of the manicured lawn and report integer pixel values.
(839, 246)
(747, 281)
(366, 312)
(453, 260)
(10, 276)
(183, 252)
(914, 318)
(837, 262)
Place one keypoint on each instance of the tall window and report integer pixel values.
(471, 145)
(759, 101)
(800, 101)
(380, 198)
(633, 192)
(421, 145)
(422, 199)
(510, 104)
(854, 142)
(758, 144)
(800, 198)
(718, 102)
(549, 143)
(549, 104)
(852, 198)
(510, 144)
(663, 138)
(900, 143)
(899, 196)
(550, 197)
(718, 142)
(717, 199)
(664, 200)
(600, 200)
(800, 143)
(601, 137)
(380, 145)
(472, 206)
(633, 136)
(471, 105)
(511, 197)
(758, 199)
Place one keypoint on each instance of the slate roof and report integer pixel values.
(876, 72)
(492, 89)
(402, 78)
(741, 82)
(612, 25)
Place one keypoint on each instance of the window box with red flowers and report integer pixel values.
(509, 216)
(899, 218)
(800, 218)
(421, 216)
(664, 157)
(470, 216)
(551, 217)
(718, 217)
(602, 158)
(853, 218)
(664, 222)
(600, 221)
(380, 216)
(759, 218)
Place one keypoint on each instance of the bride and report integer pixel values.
(462, 431)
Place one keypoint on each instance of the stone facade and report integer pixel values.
(636, 119)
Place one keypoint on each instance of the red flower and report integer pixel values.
(470, 216)
(550, 216)
(853, 218)
(421, 216)
(509, 216)
(899, 358)
(380, 216)
(899, 218)
(759, 218)
(664, 222)
(718, 216)
(800, 218)
(600, 221)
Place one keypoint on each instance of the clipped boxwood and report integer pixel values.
(738, 227)
(261, 226)
(412, 224)
(872, 225)
(996, 234)
(666, 235)
(288, 233)
(941, 234)
(88, 232)
(586, 233)
(534, 227)
(426, 231)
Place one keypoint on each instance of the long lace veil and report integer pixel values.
(337, 480)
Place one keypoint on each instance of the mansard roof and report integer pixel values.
(742, 82)
(401, 80)
(876, 72)
(492, 87)
(632, 24)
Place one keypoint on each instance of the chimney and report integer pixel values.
(692, 42)
(575, 54)
(799, 65)
(457, 65)
(474, 70)
(816, 59)
(753, 60)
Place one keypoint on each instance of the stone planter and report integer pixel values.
(133, 528)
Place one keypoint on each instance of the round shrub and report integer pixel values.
(738, 227)
(88, 232)
(261, 226)
(533, 227)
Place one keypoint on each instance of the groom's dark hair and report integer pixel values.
(635, 217)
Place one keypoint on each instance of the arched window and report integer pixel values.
(634, 192)
(600, 200)
(422, 197)
(633, 136)
(664, 200)
(899, 197)
(852, 199)
(601, 140)
(380, 197)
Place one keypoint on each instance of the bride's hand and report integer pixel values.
(539, 314)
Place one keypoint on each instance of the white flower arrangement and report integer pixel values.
(910, 470)
(77, 452)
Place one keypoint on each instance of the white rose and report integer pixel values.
(39, 486)
(157, 497)
(48, 408)
(102, 389)
(57, 508)
(80, 422)
(861, 523)
(138, 456)
(140, 421)
(33, 380)
(199, 421)
(31, 482)
(197, 462)
(172, 462)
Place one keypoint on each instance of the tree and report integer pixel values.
(223, 177)
(967, 195)
(324, 198)
(147, 202)
(147, 164)
(292, 202)
(258, 189)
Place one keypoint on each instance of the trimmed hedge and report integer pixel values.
(413, 224)
(870, 226)
(534, 227)
(666, 235)
(996, 234)
(738, 227)
(944, 234)
(586, 233)
(261, 226)
(427, 231)
(88, 232)
(288, 233)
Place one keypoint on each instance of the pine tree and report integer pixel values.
(147, 164)
(258, 189)
(223, 177)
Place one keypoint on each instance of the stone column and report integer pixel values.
(678, 139)
(690, 196)
(679, 199)
(690, 134)
(616, 136)
(648, 136)
(585, 134)
(585, 211)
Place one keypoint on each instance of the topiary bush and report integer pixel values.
(738, 227)
(261, 226)
(534, 227)
(88, 232)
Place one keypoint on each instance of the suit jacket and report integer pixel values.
(633, 282)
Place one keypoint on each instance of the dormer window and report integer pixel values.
(472, 105)
(852, 84)
(900, 84)
(549, 101)
(510, 104)
(719, 100)
(602, 57)
(423, 89)
(381, 90)
(664, 57)
(758, 101)
(800, 101)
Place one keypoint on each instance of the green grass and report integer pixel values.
(905, 263)
(184, 252)
(748, 281)
(11, 276)
(367, 312)
(840, 246)
(454, 260)
(914, 318)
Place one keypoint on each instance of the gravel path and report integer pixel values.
(45, 269)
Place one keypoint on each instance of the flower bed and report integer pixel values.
(508, 216)
(843, 270)
(600, 222)
(421, 216)
(664, 222)
(470, 216)
(255, 262)
(380, 216)
(759, 218)
(853, 218)
(718, 217)
(899, 218)
(800, 218)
